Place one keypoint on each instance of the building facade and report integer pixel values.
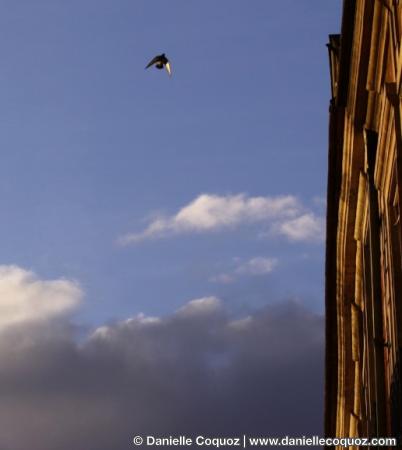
(363, 394)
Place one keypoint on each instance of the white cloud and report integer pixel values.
(222, 278)
(307, 227)
(142, 319)
(257, 266)
(200, 307)
(254, 266)
(213, 212)
(25, 298)
(241, 324)
(139, 321)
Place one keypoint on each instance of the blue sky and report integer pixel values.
(94, 147)
(162, 238)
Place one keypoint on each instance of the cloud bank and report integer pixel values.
(208, 213)
(196, 371)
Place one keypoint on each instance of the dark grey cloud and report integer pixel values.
(195, 372)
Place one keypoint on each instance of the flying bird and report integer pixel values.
(160, 62)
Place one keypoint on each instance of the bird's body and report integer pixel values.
(160, 62)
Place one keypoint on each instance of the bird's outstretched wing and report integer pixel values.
(153, 61)
(168, 68)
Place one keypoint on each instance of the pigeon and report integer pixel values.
(160, 62)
